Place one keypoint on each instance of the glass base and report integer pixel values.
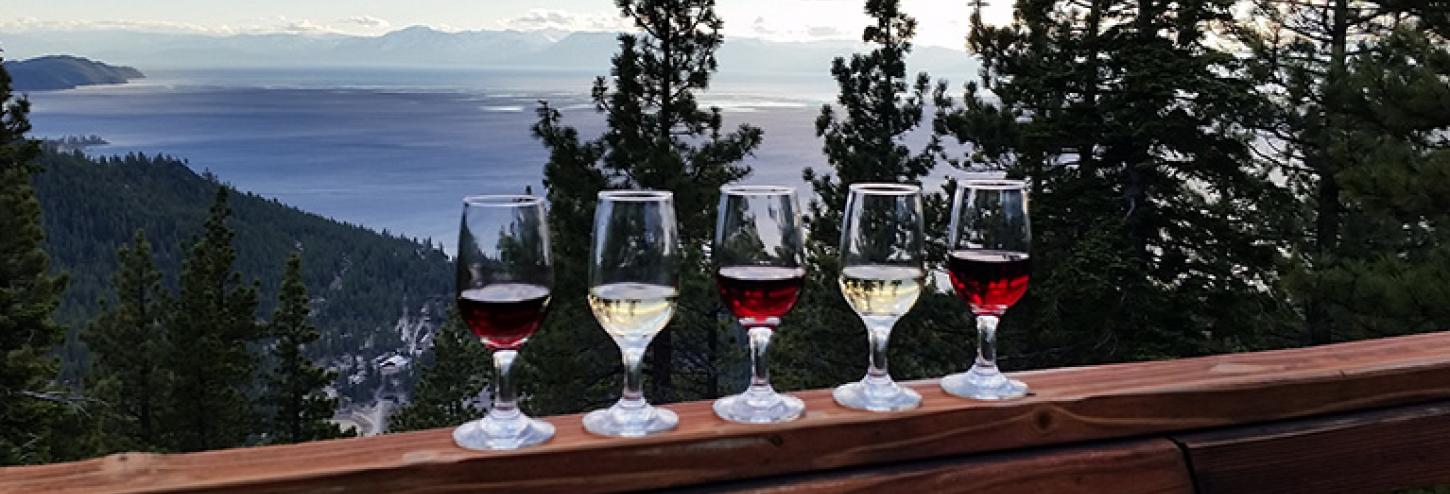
(980, 384)
(879, 395)
(490, 433)
(630, 421)
(759, 406)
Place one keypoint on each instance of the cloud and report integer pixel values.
(823, 32)
(760, 28)
(268, 25)
(767, 29)
(303, 26)
(33, 24)
(358, 25)
(368, 21)
(282, 24)
(560, 20)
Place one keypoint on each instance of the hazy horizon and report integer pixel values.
(941, 24)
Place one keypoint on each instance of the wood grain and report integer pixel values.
(1372, 452)
(1069, 405)
(1144, 466)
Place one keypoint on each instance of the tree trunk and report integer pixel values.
(1327, 212)
(1320, 329)
(1135, 193)
(143, 416)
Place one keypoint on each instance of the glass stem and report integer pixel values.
(878, 333)
(633, 394)
(987, 344)
(759, 370)
(505, 402)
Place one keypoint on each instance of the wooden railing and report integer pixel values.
(1369, 416)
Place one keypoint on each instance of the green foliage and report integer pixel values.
(300, 408)
(1151, 218)
(877, 107)
(129, 364)
(569, 362)
(457, 373)
(1360, 97)
(29, 294)
(364, 282)
(124, 341)
(1387, 274)
(657, 137)
(209, 331)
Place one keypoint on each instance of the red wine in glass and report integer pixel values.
(504, 315)
(989, 281)
(760, 292)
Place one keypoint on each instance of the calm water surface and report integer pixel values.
(390, 149)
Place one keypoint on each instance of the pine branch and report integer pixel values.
(74, 401)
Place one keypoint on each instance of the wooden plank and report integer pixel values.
(1143, 466)
(1371, 452)
(1070, 405)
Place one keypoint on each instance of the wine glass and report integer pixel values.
(989, 266)
(881, 278)
(505, 275)
(634, 271)
(758, 250)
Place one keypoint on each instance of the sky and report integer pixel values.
(941, 22)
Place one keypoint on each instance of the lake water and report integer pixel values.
(392, 149)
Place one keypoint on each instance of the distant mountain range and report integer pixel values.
(422, 46)
(66, 72)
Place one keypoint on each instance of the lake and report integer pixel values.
(393, 149)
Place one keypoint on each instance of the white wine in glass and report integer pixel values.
(881, 290)
(633, 310)
(881, 278)
(634, 268)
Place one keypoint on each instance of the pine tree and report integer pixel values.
(29, 294)
(657, 137)
(1148, 207)
(879, 105)
(1392, 268)
(209, 331)
(446, 392)
(301, 409)
(1340, 72)
(568, 365)
(126, 343)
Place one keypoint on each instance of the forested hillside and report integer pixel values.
(66, 72)
(368, 288)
